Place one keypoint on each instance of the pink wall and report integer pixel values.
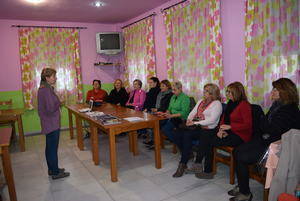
(10, 76)
(232, 24)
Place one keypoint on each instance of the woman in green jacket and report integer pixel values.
(178, 110)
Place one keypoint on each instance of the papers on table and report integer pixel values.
(132, 119)
(85, 109)
(94, 114)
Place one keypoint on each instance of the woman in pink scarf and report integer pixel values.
(202, 120)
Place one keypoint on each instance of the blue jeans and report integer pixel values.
(168, 128)
(52, 141)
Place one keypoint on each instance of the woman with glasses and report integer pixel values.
(235, 128)
(283, 115)
(205, 116)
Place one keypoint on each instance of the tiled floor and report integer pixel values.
(138, 177)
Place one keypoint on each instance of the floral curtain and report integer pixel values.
(139, 52)
(57, 48)
(272, 46)
(194, 45)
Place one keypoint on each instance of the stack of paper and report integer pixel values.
(131, 119)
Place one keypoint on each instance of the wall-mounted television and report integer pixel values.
(109, 42)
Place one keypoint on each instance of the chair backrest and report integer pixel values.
(257, 115)
(192, 103)
(6, 103)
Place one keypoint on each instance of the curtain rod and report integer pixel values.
(19, 26)
(153, 14)
(173, 5)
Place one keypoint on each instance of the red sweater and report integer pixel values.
(241, 121)
(96, 96)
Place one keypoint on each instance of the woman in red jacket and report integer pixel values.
(235, 128)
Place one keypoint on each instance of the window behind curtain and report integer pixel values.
(272, 46)
(57, 48)
(139, 52)
(194, 45)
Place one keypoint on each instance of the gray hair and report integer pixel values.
(177, 85)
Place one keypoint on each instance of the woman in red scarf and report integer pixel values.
(204, 119)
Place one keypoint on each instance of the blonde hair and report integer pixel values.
(213, 90)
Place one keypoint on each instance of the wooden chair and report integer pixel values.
(8, 103)
(225, 159)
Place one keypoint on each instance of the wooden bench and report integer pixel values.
(5, 135)
(229, 160)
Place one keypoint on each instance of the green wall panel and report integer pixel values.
(31, 121)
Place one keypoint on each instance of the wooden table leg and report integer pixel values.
(94, 143)
(130, 142)
(8, 174)
(79, 133)
(71, 124)
(157, 145)
(134, 142)
(113, 159)
(21, 133)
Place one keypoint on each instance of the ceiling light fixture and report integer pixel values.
(35, 1)
(99, 4)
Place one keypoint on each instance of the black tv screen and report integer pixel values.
(109, 41)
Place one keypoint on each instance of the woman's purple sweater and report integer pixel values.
(48, 109)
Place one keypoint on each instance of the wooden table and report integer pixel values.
(151, 121)
(5, 135)
(16, 116)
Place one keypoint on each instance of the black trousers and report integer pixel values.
(184, 140)
(206, 144)
(247, 154)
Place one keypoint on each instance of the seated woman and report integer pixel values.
(235, 128)
(206, 115)
(96, 94)
(164, 97)
(118, 95)
(152, 93)
(178, 110)
(162, 104)
(137, 96)
(283, 115)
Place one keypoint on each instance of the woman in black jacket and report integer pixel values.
(118, 95)
(164, 97)
(152, 93)
(283, 115)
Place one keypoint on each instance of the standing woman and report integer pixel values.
(119, 94)
(235, 128)
(137, 96)
(151, 95)
(283, 115)
(49, 113)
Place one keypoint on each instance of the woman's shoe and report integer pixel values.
(242, 197)
(204, 175)
(196, 168)
(234, 192)
(180, 170)
(50, 173)
(60, 175)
